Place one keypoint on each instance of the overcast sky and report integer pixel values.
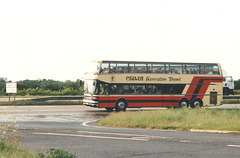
(55, 39)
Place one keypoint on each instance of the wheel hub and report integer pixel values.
(197, 104)
(184, 104)
(121, 105)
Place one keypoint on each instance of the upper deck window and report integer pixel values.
(190, 69)
(105, 68)
(122, 68)
(140, 68)
(156, 68)
(173, 68)
(212, 69)
(113, 68)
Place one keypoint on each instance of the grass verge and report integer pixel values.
(177, 119)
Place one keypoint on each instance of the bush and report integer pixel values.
(3, 145)
(68, 91)
(21, 92)
(7, 131)
(237, 92)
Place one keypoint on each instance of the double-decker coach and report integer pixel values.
(124, 84)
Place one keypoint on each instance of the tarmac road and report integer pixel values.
(73, 128)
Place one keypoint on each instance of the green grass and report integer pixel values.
(179, 119)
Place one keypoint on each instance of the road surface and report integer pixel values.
(73, 128)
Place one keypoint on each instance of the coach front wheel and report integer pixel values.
(121, 105)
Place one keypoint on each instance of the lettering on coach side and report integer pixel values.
(148, 78)
(134, 78)
(155, 79)
(174, 78)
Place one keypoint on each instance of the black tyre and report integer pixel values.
(121, 105)
(196, 103)
(183, 103)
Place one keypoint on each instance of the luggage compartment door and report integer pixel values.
(213, 98)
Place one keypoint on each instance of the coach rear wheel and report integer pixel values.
(183, 103)
(121, 105)
(196, 103)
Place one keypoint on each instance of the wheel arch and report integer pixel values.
(122, 99)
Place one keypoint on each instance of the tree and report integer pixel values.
(28, 84)
(45, 87)
(2, 85)
(51, 86)
(237, 84)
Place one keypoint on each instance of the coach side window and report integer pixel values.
(131, 68)
(158, 68)
(212, 69)
(167, 69)
(202, 69)
(157, 89)
(139, 89)
(175, 69)
(167, 89)
(191, 69)
(149, 68)
(178, 88)
(104, 68)
(103, 88)
(140, 68)
(113, 68)
(122, 68)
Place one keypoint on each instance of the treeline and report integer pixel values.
(45, 87)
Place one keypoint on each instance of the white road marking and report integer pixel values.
(186, 141)
(105, 135)
(235, 146)
(86, 123)
(126, 134)
(92, 136)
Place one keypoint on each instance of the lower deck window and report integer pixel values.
(138, 89)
